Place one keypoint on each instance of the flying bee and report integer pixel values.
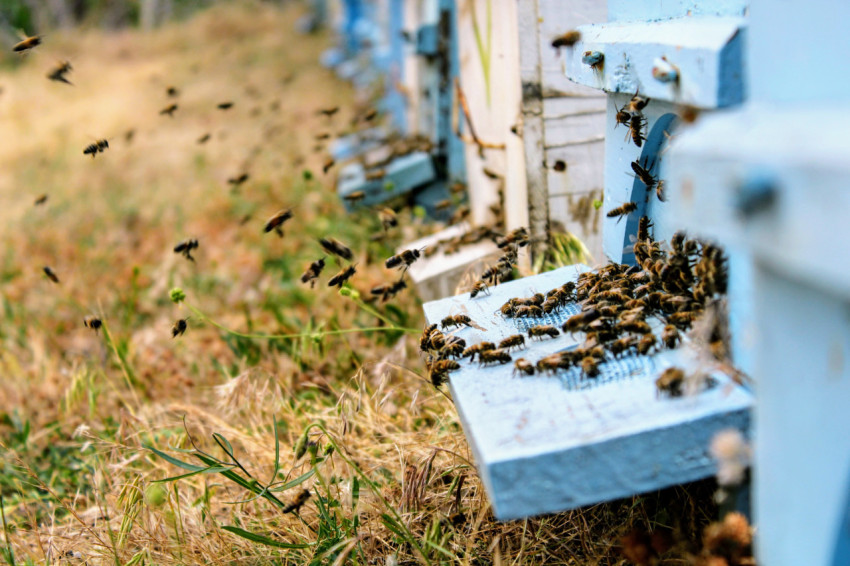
(238, 180)
(455, 320)
(590, 366)
(541, 331)
(27, 43)
(559, 166)
(636, 126)
(355, 197)
(567, 39)
(328, 111)
(172, 92)
(92, 322)
(375, 174)
(444, 204)
(515, 341)
(494, 356)
(341, 277)
(313, 272)
(204, 139)
(296, 503)
(224, 105)
(405, 259)
(388, 218)
(50, 274)
(477, 349)
(659, 191)
(369, 115)
(479, 287)
(41, 200)
(335, 247)
(518, 237)
(523, 366)
(322, 136)
(169, 110)
(327, 164)
(491, 174)
(276, 222)
(179, 327)
(670, 382)
(58, 73)
(185, 247)
(97, 147)
(622, 211)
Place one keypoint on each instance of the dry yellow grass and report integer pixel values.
(75, 416)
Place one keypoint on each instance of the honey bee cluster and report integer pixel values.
(625, 310)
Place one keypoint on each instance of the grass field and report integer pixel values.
(274, 387)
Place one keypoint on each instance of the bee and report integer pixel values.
(636, 125)
(670, 382)
(386, 292)
(341, 277)
(97, 147)
(457, 188)
(204, 139)
(329, 112)
(313, 272)
(515, 341)
(477, 349)
(405, 259)
(643, 229)
(185, 247)
(460, 214)
(41, 200)
(623, 116)
(296, 503)
(638, 103)
(644, 175)
(590, 366)
(58, 73)
(388, 218)
(636, 326)
(276, 223)
(568, 39)
(541, 331)
(170, 109)
(92, 322)
(224, 105)
(622, 345)
(491, 174)
(27, 43)
(683, 319)
(659, 191)
(369, 115)
(581, 320)
(179, 327)
(518, 237)
(455, 320)
(559, 166)
(328, 163)
(355, 197)
(444, 204)
(479, 287)
(50, 274)
(494, 356)
(440, 369)
(172, 92)
(621, 211)
(425, 339)
(646, 344)
(239, 180)
(375, 175)
(530, 311)
(523, 366)
(129, 135)
(322, 136)
(688, 114)
(335, 247)
(453, 348)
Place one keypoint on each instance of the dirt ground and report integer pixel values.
(336, 381)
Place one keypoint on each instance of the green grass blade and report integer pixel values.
(260, 539)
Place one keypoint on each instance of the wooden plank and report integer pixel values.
(577, 441)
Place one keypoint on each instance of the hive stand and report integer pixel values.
(771, 179)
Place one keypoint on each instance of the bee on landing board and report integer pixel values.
(313, 272)
(50, 274)
(296, 503)
(671, 381)
(185, 247)
(455, 320)
(179, 327)
(515, 341)
(276, 222)
(58, 73)
(523, 366)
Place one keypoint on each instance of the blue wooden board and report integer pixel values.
(578, 441)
